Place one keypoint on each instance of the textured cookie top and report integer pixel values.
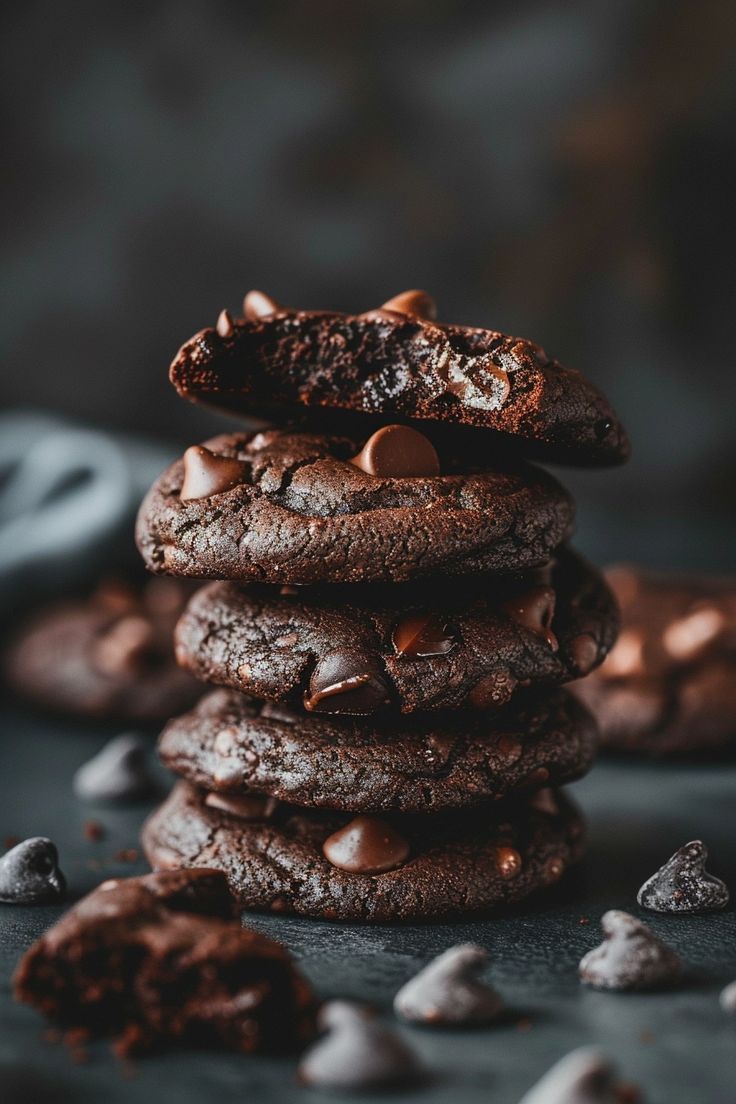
(360, 650)
(289, 507)
(397, 362)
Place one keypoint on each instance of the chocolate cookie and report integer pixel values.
(234, 744)
(397, 362)
(669, 684)
(325, 865)
(288, 507)
(338, 649)
(164, 958)
(109, 655)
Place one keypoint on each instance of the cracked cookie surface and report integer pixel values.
(234, 744)
(304, 513)
(471, 642)
(473, 861)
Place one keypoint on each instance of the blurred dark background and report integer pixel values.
(561, 171)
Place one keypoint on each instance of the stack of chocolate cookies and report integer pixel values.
(393, 613)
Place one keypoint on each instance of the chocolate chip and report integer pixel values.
(584, 1076)
(356, 1053)
(683, 884)
(119, 772)
(30, 875)
(534, 610)
(366, 845)
(584, 651)
(257, 305)
(207, 474)
(398, 452)
(225, 326)
(243, 806)
(422, 634)
(448, 991)
(728, 999)
(630, 957)
(345, 683)
(415, 302)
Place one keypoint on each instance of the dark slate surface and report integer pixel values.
(679, 1047)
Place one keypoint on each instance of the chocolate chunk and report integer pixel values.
(415, 302)
(207, 474)
(225, 326)
(630, 957)
(398, 452)
(447, 991)
(422, 634)
(534, 609)
(728, 999)
(357, 1052)
(30, 875)
(366, 845)
(344, 682)
(683, 884)
(582, 1077)
(244, 806)
(257, 304)
(119, 772)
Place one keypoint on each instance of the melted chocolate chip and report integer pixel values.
(398, 452)
(683, 884)
(206, 473)
(225, 326)
(243, 806)
(258, 305)
(344, 682)
(508, 862)
(415, 302)
(448, 991)
(630, 956)
(534, 610)
(422, 634)
(366, 845)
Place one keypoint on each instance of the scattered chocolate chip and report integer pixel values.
(243, 806)
(422, 634)
(207, 474)
(30, 875)
(344, 683)
(630, 957)
(119, 772)
(447, 991)
(683, 884)
(366, 845)
(728, 999)
(398, 452)
(257, 304)
(93, 830)
(582, 1077)
(225, 326)
(357, 1052)
(534, 610)
(415, 302)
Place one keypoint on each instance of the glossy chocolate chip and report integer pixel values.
(366, 845)
(244, 806)
(30, 875)
(398, 452)
(257, 304)
(683, 884)
(448, 991)
(422, 634)
(119, 772)
(344, 682)
(207, 474)
(630, 956)
(419, 303)
(534, 610)
(225, 326)
(356, 1053)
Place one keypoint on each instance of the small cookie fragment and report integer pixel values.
(448, 992)
(118, 772)
(584, 1076)
(357, 1053)
(683, 884)
(630, 956)
(30, 875)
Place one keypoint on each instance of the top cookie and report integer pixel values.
(398, 362)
